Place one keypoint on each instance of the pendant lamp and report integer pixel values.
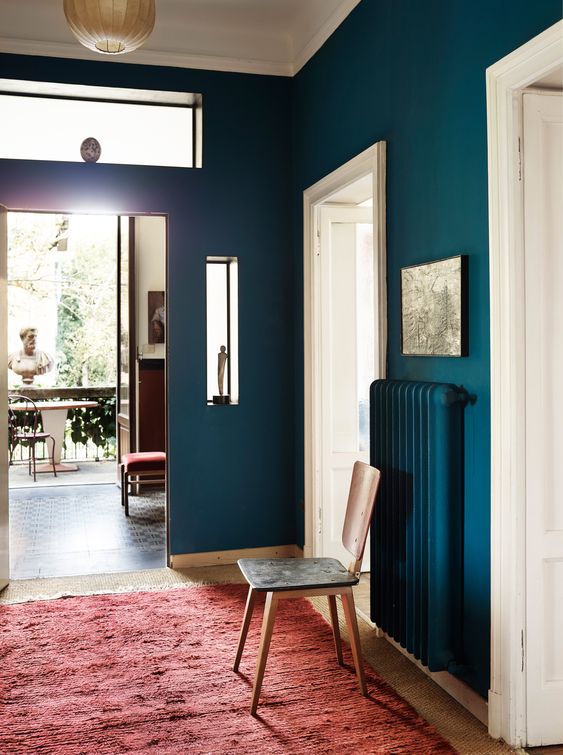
(111, 27)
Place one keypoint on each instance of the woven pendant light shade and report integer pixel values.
(110, 26)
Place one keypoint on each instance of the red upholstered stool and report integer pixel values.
(145, 467)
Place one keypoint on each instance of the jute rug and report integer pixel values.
(150, 672)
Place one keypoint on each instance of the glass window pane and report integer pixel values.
(43, 128)
(124, 378)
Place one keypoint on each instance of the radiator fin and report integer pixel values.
(417, 543)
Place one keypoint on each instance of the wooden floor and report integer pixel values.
(362, 596)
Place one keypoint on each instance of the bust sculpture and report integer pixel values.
(29, 362)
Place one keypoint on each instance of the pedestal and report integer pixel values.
(222, 399)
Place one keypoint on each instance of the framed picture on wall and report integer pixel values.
(434, 308)
(157, 317)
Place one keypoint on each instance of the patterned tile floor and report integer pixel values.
(70, 530)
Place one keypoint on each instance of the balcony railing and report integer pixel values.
(90, 432)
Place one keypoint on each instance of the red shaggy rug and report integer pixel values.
(151, 673)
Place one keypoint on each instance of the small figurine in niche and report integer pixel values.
(222, 357)
(29, 362)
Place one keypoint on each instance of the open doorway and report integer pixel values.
(345, 337)
(64, 285)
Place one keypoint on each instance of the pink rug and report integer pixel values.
(151, 673)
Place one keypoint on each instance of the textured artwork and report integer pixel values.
(433, 304)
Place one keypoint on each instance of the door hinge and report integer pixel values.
(318, 243)
(519, 159)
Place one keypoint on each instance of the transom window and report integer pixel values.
(45, 121)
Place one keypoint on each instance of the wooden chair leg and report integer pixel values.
(267, 628)
(122, 480)
(335, 628)
(354, 636)
(126, 492)
(250, 600)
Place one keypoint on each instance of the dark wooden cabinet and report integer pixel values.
(151, 415)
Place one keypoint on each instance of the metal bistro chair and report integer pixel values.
(299, 578)
(29, 434)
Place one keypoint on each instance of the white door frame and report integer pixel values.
(505, 81)
(370, 162)
(4, 503)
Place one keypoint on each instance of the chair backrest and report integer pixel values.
(27, 409)
(361, 499)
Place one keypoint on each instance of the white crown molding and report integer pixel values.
(146, 57)
(317, 41)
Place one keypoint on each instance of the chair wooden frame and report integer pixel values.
(32, 438)
(139, 477)
(363, 491)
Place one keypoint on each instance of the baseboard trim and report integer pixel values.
(460, 691)
(213, 558)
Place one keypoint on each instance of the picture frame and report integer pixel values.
(434, 317)
(157, 317)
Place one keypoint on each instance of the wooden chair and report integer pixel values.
(141, 468)
(283, 578)
(21, 406)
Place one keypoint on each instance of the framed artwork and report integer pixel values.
(434, 308)
(157, 317)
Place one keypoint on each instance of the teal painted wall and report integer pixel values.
(231, 468)
(413, 74)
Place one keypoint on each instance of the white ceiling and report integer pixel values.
(252, 36)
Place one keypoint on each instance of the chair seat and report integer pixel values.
(144, 461)
(32, 436)
(278, 574)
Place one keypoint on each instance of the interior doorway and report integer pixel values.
(345, 336)
(347, 358)
(73, 523)
(525, 194)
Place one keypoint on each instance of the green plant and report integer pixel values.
(96, 424)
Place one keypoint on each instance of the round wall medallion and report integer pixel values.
(90, 150)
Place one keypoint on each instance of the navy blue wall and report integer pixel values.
(413, 74)
(231, 468)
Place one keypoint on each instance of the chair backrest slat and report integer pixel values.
(361, 499)
(29, 411)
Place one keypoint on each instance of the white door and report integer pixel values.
(4, 524)
(543, 222)
(347, 360)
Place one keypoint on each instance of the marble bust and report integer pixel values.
(29, 362)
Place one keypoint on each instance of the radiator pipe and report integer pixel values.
(459, 395)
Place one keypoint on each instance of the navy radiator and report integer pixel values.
(417, 531)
